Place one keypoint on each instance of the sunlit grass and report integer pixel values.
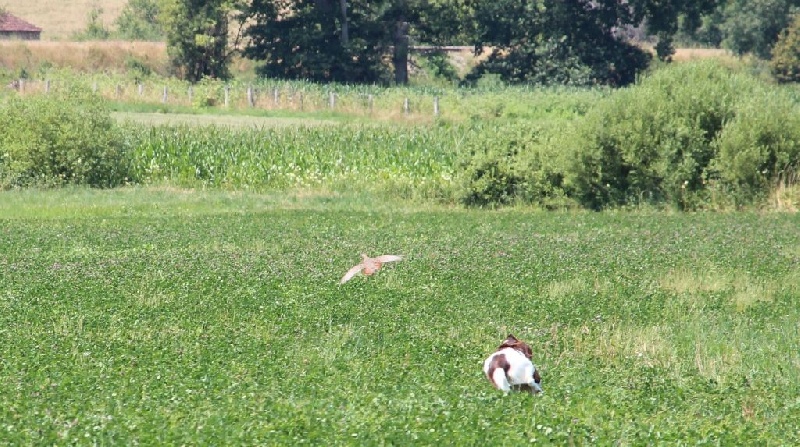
(178, 316)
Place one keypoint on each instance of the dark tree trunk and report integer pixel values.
(345, 31)
(400, 56)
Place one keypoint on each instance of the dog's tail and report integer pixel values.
(496, 368)
(500, 380)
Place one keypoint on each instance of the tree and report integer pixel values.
(344, 40)
(552, 41)
(197, 37)
(753, 26)
(785, 63)
(304, 40)
(139, 20)
(578, 41)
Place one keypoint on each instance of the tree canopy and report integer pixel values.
(197, 37)
(577, 42)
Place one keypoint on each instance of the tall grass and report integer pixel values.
(405, 160)
(40, 58)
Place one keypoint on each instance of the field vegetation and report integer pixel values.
(169, 268)
(697, 135)
(166, 316)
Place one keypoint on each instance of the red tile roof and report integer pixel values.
(10, 23)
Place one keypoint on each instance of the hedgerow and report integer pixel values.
(682, 137)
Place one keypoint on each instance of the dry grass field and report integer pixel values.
(82, 56)
(61, 19)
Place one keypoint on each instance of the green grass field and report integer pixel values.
(166, 316)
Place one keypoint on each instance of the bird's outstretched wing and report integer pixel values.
(388, 258)
(351, 273)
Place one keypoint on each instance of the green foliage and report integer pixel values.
(508, 164)
(759, 146)
(139, 20)
(302, 40)
(694, 135)
(654, 142)
(63, 138)
(704, 32)
(753, 26)
(785, 62)
(352, 42)
(554, 42)
(164, 317)
(682, 135)
(197, 37)
(137, 69)
(408, 161)
(95, 30)
(436, 66)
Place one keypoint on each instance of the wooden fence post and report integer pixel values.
(276, 96)
(370, 102)
(405, 107)
(47, 86)
(227, 94)
(435, 106)
(250, 100)
(164, 98)
(332, 100)
(140, 87)
(301, 101)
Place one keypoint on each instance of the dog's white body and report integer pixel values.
(511, 367)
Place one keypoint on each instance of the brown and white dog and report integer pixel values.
(511, 367)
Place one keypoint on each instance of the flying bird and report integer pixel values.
(368, 266)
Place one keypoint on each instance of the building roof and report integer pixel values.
(11, 23)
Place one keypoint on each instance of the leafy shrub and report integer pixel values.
(785, 62)
(137, 68)
(436, 66)
(760, 145)
(654, 142)
(511, 163)
(691, 136)
(61, 138)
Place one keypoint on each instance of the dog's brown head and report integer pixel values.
(513, 343)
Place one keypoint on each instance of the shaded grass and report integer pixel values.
(175, 316)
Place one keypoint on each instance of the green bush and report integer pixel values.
(511, 163)
(653, 143)
(695, 135)
(61, 138)
(759, 146)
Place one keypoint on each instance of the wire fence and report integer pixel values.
(239, 96)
